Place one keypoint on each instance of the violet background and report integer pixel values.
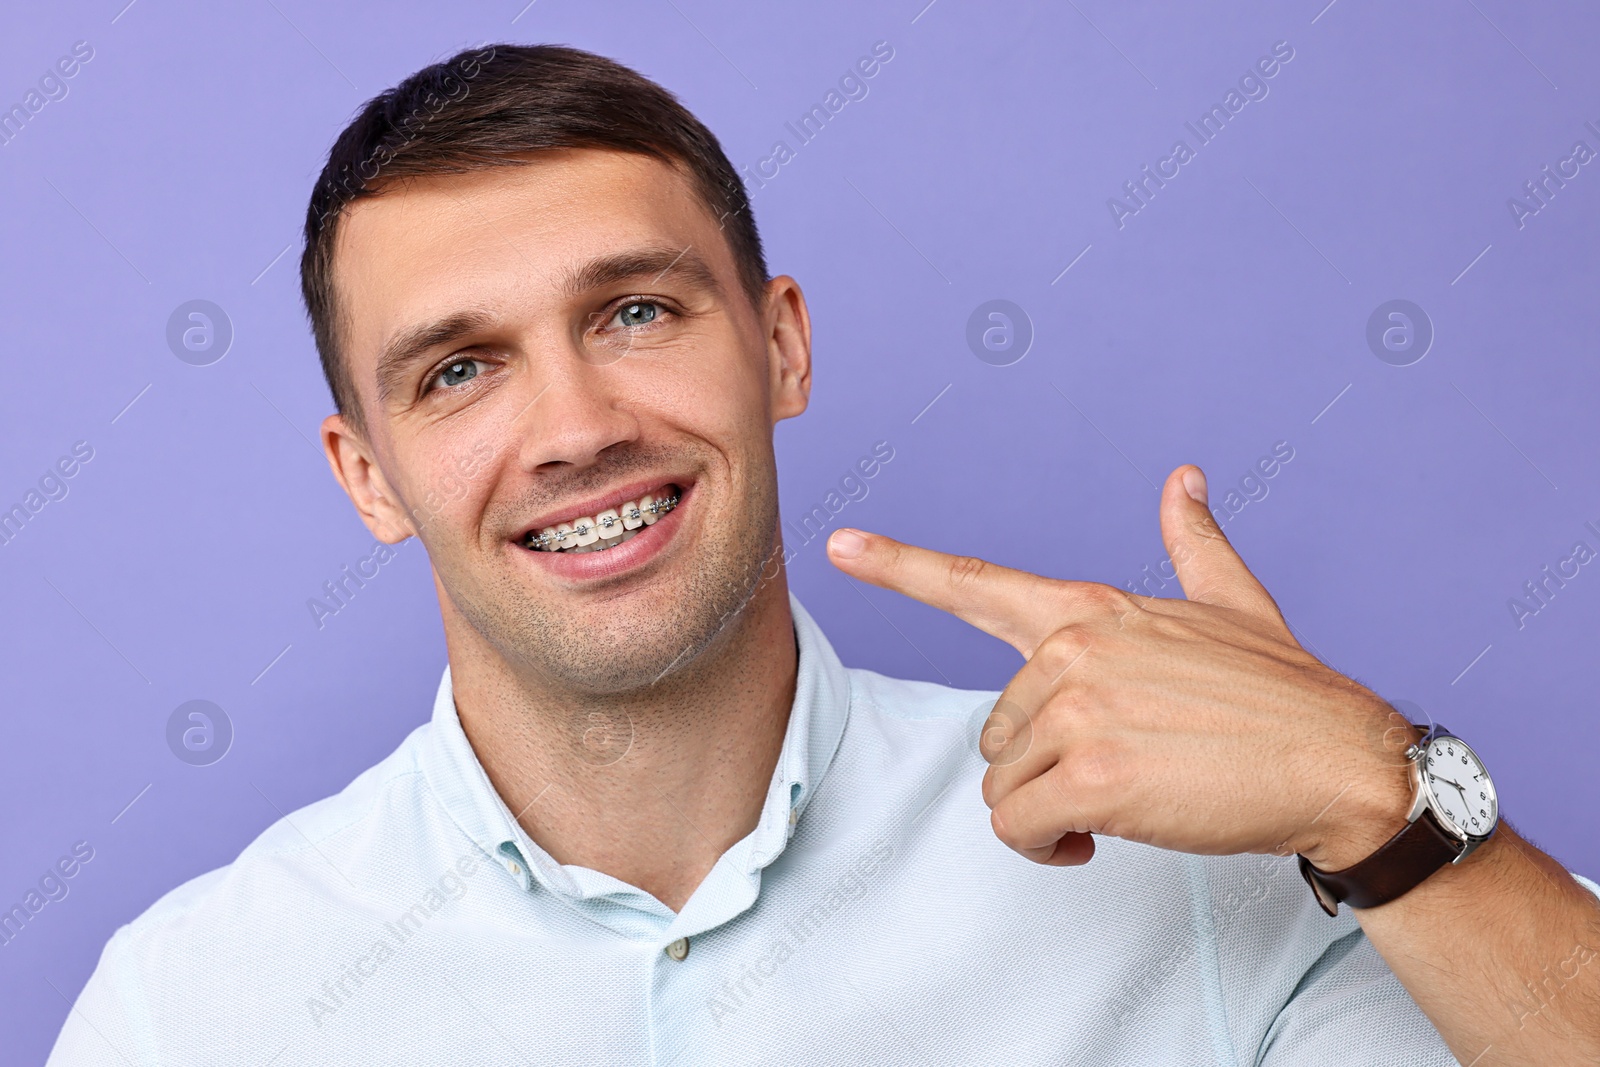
(1227, 315)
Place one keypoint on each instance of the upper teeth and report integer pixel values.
(612, 526)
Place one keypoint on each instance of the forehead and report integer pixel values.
(502, 237)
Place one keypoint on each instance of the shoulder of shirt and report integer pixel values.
(908, 698)
(300, 831)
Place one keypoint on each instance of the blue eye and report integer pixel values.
(640, 313)
(463, 370)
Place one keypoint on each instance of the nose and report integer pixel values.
(573, 414)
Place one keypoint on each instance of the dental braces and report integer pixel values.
(539, 541)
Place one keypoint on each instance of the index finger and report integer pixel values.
(1019, 608)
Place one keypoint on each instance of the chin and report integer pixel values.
(633, 640)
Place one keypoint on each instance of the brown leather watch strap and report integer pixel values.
(1401, 864)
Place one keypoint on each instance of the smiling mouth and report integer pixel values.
(605, 529)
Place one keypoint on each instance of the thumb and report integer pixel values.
(1209, 569)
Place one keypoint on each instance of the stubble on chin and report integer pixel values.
(636, 641)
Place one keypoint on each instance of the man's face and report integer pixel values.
(539, 345)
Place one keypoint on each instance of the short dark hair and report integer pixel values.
(491, 107)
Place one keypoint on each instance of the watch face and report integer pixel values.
(1463, 795)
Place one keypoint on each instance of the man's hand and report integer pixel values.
(1198, 725)
(1201, 725)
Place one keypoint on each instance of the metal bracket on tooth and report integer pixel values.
(538, 541)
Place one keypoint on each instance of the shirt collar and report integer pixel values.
(816, 722)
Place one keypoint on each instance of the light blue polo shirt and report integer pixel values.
(872, 917)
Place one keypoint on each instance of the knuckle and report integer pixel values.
(1007, 734)
(1135, 611)
(1099, 595)
(1065, 703)
(966, 571)
(1003, 829)
(1207, 529)
(1077, 634)
(1061, 649)
(1097, 767)
(1112, 601)
(1062, 715)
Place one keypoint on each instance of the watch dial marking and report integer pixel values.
(1448, 787)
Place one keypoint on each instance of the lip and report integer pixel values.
(632, 554)
(595, 505)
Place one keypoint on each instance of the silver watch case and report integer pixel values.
(1424, 800)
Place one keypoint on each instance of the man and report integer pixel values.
(654, 820)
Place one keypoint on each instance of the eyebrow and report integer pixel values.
(416, 344)
(681, 263)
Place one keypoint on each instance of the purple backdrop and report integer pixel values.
(1205, 305)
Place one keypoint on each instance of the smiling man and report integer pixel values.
(654, 819)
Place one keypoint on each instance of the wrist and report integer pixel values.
(1370, 809)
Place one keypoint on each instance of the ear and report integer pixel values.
(358, 473)
(787, 330)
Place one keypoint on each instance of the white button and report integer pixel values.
(678, 949)
(794, 816)
(516, 868)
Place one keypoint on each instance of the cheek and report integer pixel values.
(720, 393)
(447, 484)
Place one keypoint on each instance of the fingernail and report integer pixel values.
(1195, 482)
(846, 544)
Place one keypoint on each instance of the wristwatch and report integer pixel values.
(1455, 809)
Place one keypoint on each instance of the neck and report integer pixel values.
(665, 779)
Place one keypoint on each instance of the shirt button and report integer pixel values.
(679, 949)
